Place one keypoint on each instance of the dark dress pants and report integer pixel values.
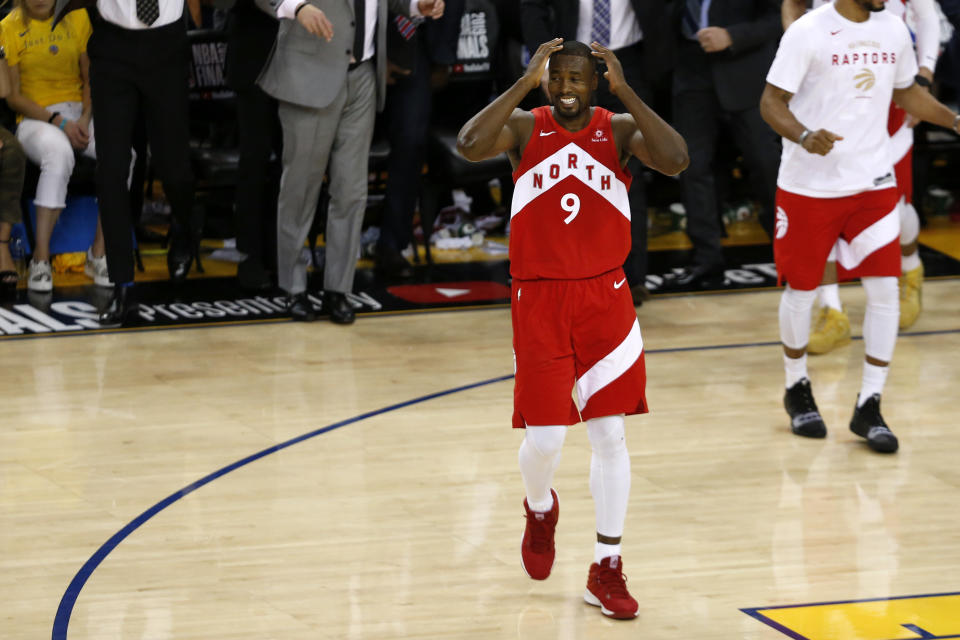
(257, 179)
(408, 117)
(134, 71)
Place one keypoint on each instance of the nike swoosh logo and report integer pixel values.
(547, 134)
(833, 33)
(617, 285)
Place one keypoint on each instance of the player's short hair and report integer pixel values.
(579, 50)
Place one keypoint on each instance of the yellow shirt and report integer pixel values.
(49, 62)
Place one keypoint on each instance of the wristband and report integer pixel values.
(53, 116)
(803, 136)
(922, 81)
(297, 10)
(63, 123)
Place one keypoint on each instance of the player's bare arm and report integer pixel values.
(775, 109)
(920, 104)
(790, 10)
(501, 127)
(642, 132)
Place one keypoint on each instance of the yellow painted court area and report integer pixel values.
(934, 616)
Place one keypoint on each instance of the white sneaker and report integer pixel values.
(96, 268)
(41, 276)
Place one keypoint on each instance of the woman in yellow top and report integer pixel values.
(12, 165)
(50, 91)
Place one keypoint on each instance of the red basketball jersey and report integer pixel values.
(570, 217)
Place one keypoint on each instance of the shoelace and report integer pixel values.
(613, 582)
(540, 538)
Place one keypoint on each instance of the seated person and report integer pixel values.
(50, 92)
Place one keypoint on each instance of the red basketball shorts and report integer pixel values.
(578, 335)
(865, 227)
(904, 173)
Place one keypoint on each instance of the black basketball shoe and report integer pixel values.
(868, 423)
(805, 418)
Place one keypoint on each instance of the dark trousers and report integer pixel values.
(697, 116)
(631, 59)
(258, 181)
(133, 72)
(408, 116)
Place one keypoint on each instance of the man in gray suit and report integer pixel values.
(328, 72)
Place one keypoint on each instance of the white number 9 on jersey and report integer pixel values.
(570, 203)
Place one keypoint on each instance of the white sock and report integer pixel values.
(829, 296)
(609, 474)
(910, 262)
(602, 551)
(795, 368)
(539, 456)
(874, 378)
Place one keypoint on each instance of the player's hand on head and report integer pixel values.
(614, 72)
(536, 69)
(316, 22)
(820, 141)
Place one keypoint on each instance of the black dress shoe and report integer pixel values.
(391, 264)
(252, 276)
(300, 307)
(697, 277)
(179, 264)
(339, 308)
(120, 310)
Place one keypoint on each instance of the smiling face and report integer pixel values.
(572, 81)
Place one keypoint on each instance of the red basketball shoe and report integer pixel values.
(537, 550)
(607, 589)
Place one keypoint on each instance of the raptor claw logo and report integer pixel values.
(782, 223)
(865, 80)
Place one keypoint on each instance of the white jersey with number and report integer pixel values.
(842, 75)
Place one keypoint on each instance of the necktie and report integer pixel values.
(359, 7)
(600, 30)
(148, 11)
(406, 26)
(690, 23)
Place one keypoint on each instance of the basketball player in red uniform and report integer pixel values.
(574, 323)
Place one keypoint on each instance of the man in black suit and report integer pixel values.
(723, 52)
(634, 30)
(414, 50)
(252, 34)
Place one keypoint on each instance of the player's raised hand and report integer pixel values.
(315, 21)
(614, 72)
(431, 8)
(538, 63)
(820, 141)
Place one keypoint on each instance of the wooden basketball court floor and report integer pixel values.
(291, 481)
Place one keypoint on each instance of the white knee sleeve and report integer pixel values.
(795, 307)
(882, 316)
(909, 223)
(609, 473)
(539, 456)
(546, 441)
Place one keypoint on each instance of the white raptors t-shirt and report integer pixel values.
(842, 75)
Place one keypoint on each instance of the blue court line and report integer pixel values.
(69, 599)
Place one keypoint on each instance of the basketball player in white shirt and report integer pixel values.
(831, 328)
(828, 94)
